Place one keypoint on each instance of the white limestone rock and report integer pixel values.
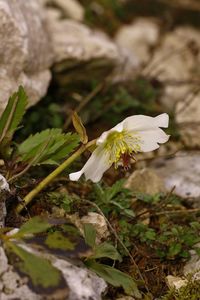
(82, 283)
(4, 193)
(71, 9)
(25, 49)
(145, 181)
(175, 282)
(74, 43)
(181, 172)
(138, 38)
(175, 63)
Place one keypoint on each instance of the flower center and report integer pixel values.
(121, 146)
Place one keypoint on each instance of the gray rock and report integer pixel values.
(174, 282)
(4, 261)
(82, 283)
(4, 192)
(192, 266)
(187, 117)
(74, 45)
(181, 172)
(71, 9)
(138, 38)
(175, 63)
(145, 181)
(25, 50)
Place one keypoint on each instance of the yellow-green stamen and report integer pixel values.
(118, 143)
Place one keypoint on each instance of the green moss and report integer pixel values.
(191, 291)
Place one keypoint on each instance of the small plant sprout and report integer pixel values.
(119, 144)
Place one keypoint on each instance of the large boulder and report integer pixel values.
(25, 50)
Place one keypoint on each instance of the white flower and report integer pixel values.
(134, 134)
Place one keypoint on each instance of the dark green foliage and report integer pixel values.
(115, 198)
(169, 237)
(11, 119)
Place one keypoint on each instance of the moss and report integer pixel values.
(191, 291)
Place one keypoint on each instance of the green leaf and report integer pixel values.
(112, 191)
(34, 225)
(115, 278)
(89, 234)
(62, 242)
(150, 235)
(106, 250)
(174, 249)
(42, 276)
(12, 115)
(57, 240)
(47, 147)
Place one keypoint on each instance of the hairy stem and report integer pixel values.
(47, 180)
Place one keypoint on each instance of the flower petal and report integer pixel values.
(150, 139)
(75, 176)
(94, 168)
(141, 122)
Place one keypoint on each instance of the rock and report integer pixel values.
(192, 266)
(82, 283)
(99, 223)
(174, 282)
(4, 261)
(145, 181)
(71, 9)
(138, 38)
(187, 117)
(175, 63)
(182, 172)
(74, 44)
(25, 50)
(12, 286)
(4, 192)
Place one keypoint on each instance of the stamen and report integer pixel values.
(121, 146)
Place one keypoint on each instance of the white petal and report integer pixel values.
(75, 176)
(141, 122)
(103, 137)
(150, 139)
(94, 168)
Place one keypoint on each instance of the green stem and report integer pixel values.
(29, 197)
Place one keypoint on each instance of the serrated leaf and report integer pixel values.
(115, 278)
(89, 234)
(80, 129)
(42, 277)
(34, 225)
(106, 250)
(12, 115)
(47, 147)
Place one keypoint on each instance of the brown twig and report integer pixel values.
(85, 101)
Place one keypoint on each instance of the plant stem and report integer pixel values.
(29, 197)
